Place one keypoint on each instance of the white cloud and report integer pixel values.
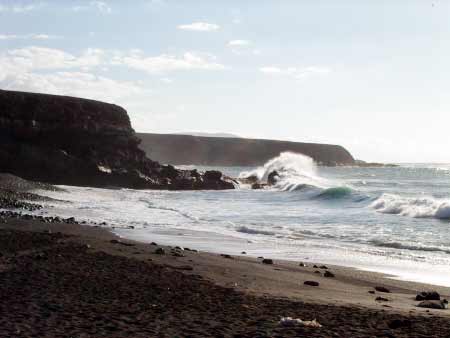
(50, 71)
(41, 58)
(27, 36)
(20, 8)
(101, 6)
(168, 63)
(166, 80)
(200, 27)
(78, 84)
(235, 43)
(294, 72)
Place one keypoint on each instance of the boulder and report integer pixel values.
(382, 289)
(267, 261)
(428, 295)
(434, 304)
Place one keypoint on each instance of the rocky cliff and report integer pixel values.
(218, 151)
(66, 140)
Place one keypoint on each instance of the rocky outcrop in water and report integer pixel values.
(222, 151)
(72, 141)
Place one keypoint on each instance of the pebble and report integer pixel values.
(311, 283)
(382, 289)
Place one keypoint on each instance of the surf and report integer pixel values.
(292, 172)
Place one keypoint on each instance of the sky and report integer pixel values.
(372, 76)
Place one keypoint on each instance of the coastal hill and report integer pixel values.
(73, 141)
(228, 151)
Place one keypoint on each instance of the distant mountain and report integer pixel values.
(229, 135)
(232, 151)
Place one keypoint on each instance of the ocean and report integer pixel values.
(394, 220)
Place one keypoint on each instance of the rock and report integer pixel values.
(311, 283)
(324, 267)
(178, 254)
(153, 243)
(425, 295)
(160, 251)
(315, 266)
(243, 253)
(226, 256)
(114, 241)
(371, 292)
(329, 274)
(72, 141)
(267, 261)
(257, 186)
(302, 264)
(382, 289)
(318, 272)
(381, 299)
(273, 178)
(434, 304)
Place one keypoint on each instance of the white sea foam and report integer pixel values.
(295, 171)
(425, 207)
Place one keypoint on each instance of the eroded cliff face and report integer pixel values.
(220, 151)
(72, 141)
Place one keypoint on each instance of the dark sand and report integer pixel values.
(69, 280)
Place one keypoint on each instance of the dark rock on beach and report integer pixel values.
(267, 261)
(382, 289)
(428, 295)
(311, 283)
(329, 274)
(434, 304)
(73, 141)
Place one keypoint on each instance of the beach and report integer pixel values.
(70, 280)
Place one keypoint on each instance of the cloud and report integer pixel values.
(41, 58)
(235, 43)
(168, 63)
(20, 8)
(294, 72)
(27, 36)
(78, 84)
(100, 6)
(200, 27)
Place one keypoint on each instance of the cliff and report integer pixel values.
(67, 140)
(218, 151)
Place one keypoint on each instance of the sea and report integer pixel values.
(394, 220)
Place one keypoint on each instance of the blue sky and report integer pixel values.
(372, 76)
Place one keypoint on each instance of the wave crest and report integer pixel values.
(296, 172)
(425, 207)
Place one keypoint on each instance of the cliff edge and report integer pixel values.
(221, 151)
(73, 141)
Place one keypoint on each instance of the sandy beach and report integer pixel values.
(69, 280)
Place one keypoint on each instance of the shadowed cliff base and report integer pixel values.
(225, 151)
(73, 141)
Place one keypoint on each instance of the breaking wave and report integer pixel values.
(296, 172)
(425, 207)
(251, 231)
